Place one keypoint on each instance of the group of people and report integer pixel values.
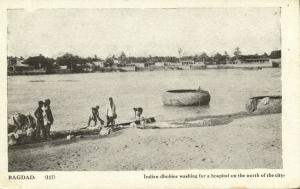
(111, 115)
(38, 128)
(44, 119)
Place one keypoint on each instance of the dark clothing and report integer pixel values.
(95, 117)
(49, 114)
(39, 114)
(50, 121)
(47, 130)
(110, 121)
(40, 128)
(39, 123)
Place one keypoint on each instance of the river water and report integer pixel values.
(73, 95)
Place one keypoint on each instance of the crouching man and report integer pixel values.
(95, 117)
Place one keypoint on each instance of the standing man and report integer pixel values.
(39, 120)
(49, 117)
(111, 114)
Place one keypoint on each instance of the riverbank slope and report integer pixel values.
(249, 142)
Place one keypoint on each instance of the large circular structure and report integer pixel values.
(186, 97)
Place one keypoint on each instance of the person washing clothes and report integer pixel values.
(95, 116)
(138, 113)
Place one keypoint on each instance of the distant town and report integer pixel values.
(70, 63)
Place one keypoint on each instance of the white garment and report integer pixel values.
(11, 119)
(111, 110)
(104, 131)
(45, 116)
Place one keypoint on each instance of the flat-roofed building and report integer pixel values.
(159, 64)
(99, 64)
(127, 68)
(251, 59)
(139, 65)
(187, 62)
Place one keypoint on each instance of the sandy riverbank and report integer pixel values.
(250, 142)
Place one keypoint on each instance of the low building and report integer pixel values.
(169, 63)
(211, 66)
(200, 63)
(175, 64)
(63, 67)
(159, 64)
(198, 66)
(210, 63)
(187, 62)
(229, 62)
(62, 71)
(19, 67)
(127, 68)
(116, 62)
(148, 64)
(195, 67)
(99, 64)
(139, 65)
(35, 72)
(251, 59)
(256, 60)
(237, 61)
(89, 67)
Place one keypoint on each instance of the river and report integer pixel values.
(73, 95)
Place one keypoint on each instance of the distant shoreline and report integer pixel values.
(162, 68)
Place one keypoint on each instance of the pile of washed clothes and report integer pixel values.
(21, 128)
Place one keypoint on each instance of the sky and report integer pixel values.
(142, 32)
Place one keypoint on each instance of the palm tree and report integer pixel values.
(237, 52)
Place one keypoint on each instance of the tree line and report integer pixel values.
(75, 62)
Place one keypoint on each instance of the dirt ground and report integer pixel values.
(245, 143)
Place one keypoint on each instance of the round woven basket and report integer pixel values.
(185, 97)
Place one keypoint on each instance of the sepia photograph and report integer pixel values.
(132, 89)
